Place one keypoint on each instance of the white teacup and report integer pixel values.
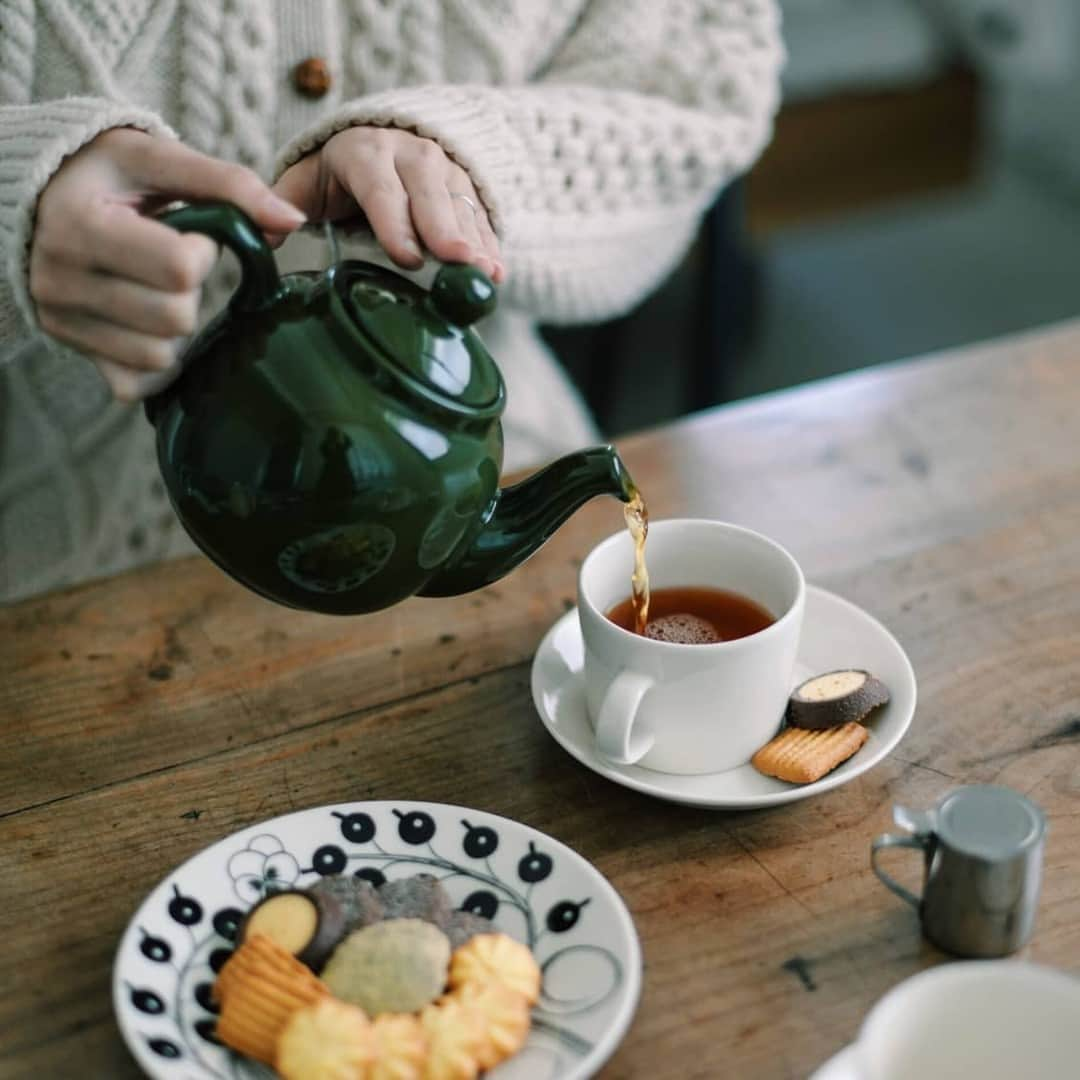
(978, 1019)
(689, 708)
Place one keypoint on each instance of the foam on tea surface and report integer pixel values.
(694, 615)
(682, 628)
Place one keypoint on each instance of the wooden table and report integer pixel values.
(147, 716)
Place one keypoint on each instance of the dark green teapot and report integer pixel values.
(334, 440)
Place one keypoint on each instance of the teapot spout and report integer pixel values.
(524, 516)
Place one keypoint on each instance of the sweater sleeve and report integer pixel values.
(596, 173)
(34, 141)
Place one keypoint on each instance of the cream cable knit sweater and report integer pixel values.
(596, 131)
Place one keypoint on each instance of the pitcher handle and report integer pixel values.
(890, 840)
(229, 225)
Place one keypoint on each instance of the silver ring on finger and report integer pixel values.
(466, 200)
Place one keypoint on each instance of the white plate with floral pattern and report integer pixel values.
(531, 886)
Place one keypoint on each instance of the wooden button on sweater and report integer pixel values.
(311, 77)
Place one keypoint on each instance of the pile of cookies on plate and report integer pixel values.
(347, 981)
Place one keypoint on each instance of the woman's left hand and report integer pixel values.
(411, 193)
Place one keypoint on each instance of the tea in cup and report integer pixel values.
(704, 693)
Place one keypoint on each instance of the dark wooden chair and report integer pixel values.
(712, 292)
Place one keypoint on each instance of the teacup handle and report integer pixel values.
(891, 840)
(615, 739)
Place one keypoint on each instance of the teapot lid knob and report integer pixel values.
(461, 294)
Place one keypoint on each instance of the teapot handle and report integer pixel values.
(229, 225)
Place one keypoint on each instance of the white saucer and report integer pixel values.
(836, 634)
(841, 1066)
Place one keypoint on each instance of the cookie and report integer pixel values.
(330, 1040)
(358, 898)
(462, 926)
(418, 897)
(800, 756)
(307, 924)
(836, 698)
(401, 1048)
(260, 987)
(395, 966)
(506, 1020)
(455, 1035)
(498, 958)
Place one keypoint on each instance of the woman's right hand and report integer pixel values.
(119, 286)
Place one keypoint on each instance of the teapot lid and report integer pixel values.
(428, 335)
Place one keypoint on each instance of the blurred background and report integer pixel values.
(922, 190)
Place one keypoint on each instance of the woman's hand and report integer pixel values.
(120, 287)
(406, 187)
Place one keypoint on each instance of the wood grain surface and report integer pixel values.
(149, 715)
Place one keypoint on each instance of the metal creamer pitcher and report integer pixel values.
(982, 847)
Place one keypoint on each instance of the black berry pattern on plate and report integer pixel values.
(218, 958)
(372, 874)
(480, 841)
(564, 916)
(534, 867)
(164, 1047)
(204, 995)
(227, 922)
(155, 948)
(146, 1001)
(482, 902)
(329, 859)
(206, 1029)
(185, 909)
(415, 827)
(178, 1025)
(357, 828)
